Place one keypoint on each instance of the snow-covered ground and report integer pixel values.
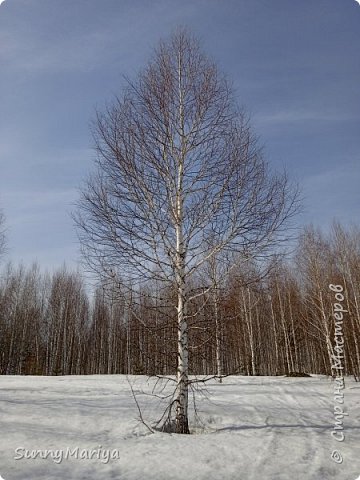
(253, 428)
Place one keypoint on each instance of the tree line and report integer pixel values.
(247, 324)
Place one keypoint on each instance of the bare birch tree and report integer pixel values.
(180, 177)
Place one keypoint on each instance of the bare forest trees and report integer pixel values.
(179, 179)
(281, 323)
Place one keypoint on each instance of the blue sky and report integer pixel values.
(295, 66)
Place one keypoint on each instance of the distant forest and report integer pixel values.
(252, 324)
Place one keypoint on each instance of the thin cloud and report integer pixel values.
(41, 198)
(304, 116)
(63, 55)
(331, 193)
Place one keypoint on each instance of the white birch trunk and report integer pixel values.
(217, 337)
(182, 388)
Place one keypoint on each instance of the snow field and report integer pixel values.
(251, 428)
